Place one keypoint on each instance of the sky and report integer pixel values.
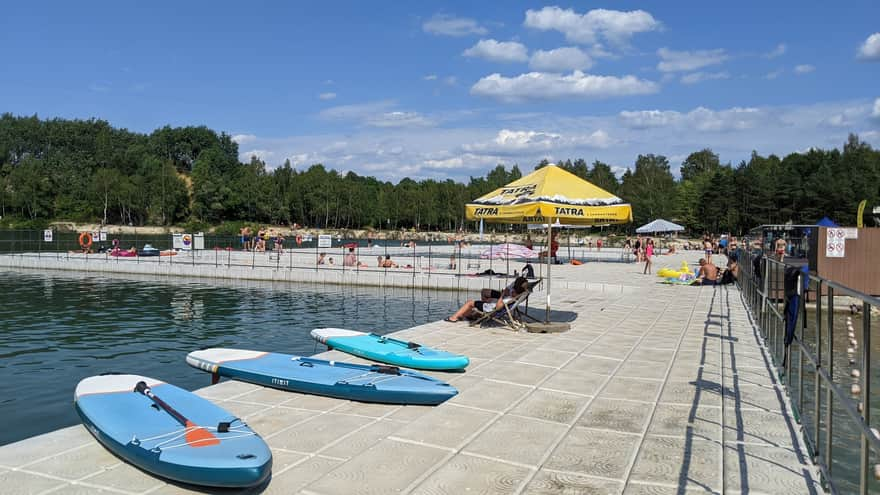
(451, 89)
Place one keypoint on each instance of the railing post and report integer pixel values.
(817, 396)
(829, 409)
(866, 395)
(802, 311)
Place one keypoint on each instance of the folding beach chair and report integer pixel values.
(509, 314)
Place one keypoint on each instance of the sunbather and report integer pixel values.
(490, 300)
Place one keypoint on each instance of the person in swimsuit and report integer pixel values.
(780, 249)
(649, 252)
(707, 247)
(708, 273)
(490, 300)
(637, 250)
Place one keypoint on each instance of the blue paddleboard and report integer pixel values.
(389, 350)
(376, 383)
(191, 441)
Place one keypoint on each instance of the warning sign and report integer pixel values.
(835, 243)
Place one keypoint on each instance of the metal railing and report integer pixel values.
(810, 368)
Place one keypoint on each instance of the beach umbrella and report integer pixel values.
(659, 225)
(548, 195)
(502, 251)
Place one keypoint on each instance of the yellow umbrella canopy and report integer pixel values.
(544, 196)
(550, 193)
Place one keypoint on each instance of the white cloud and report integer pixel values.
(804, 69)
(876, 112)
(560, 59)
(448, 25)
(870, 49)
(244, 138)
(685, 61)
(544, 86)
(614, 26)
(358, 111)
(700, 118)
(399, 119)
(430, 77)
(776, 52)
(774, 74)
(450, 80)
(498, 51)
(382, 114)
(698, 77)
(262, 155)
(644, 119)
(327, 96)
(509, 141)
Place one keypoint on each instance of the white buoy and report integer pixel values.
(875, 432)
(852, 361)
(856, 390)
(850, 350)
(853, 342)
(856, 373)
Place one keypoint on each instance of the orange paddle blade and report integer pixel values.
(196, 436)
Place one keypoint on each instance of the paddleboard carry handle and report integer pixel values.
(195, 436)
(385, 369)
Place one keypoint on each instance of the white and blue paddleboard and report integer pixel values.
(170, 432)
(388, 350)
(366, 383)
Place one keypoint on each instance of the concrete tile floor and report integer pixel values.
(666, 390)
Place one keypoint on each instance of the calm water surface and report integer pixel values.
(57, 329)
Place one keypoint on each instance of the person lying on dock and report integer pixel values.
(708, 273)
(490, 300)
(387, 263)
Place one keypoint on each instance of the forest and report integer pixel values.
(89, 171)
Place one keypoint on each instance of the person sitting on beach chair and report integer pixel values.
(490, 301)
(508, 314)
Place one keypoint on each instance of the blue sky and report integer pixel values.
(450, 89)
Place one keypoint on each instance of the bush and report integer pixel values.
(11, 222)
(232, 228)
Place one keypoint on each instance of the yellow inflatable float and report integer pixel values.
(670, 273)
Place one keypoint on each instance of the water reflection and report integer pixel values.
(58, 329)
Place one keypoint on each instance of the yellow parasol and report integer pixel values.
(545, 196)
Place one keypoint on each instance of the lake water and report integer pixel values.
(57, 329)
(845, 441)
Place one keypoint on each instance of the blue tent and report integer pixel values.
(826, 222)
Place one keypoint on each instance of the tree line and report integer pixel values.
(89, 171)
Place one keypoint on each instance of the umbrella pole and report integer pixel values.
(507, 247)
(549, 256)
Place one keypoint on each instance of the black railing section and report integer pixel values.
(816, 366)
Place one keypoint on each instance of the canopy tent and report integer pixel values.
(659, 225)
(548, 195)
(508, 251)
(826, 222)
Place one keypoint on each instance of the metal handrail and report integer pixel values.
(761, 293)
